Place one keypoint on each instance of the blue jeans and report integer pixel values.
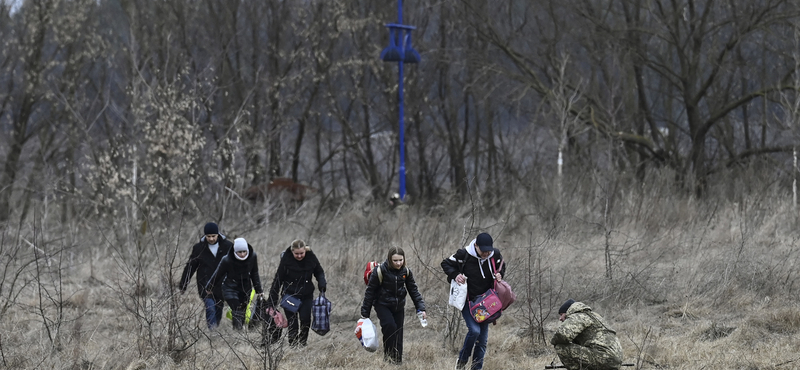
(213, 312)
(477, 337)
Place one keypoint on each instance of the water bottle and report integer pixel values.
(422, 320)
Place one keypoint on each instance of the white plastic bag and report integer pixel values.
(458, 294)
(365, 332)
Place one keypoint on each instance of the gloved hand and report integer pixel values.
(322, 289)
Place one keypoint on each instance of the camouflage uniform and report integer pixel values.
(585, 341)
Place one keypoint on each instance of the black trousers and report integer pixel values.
(392, 330)
(238, 307)
(300, 322)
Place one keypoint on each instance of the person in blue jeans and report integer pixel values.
(472, 265)
(203, 260)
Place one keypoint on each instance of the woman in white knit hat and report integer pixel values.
(238, 274)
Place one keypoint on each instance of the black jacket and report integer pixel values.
(470, 266)
(391, 292)
(204, 263)
(237, 277)
(294, 277)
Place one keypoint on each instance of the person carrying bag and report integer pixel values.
(386, 292)
(503, 289)
(293, 284)
(321, 323)
(471, 266)
(237, 274)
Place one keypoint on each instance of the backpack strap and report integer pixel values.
(460, 262)
(495, 271)
(380, 272)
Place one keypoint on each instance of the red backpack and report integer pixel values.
(370, 267)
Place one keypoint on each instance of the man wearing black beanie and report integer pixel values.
(204, 258)
(584, 340)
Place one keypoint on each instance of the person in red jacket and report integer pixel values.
(203, 260)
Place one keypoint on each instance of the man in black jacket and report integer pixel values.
(204, 259)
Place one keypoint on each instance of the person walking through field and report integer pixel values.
(472, 265)
(386, 291)
(203, 260)
(295, 270)
(584, 340)
(237, 273)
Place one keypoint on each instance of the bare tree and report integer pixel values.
(25, 91)
(683, 71)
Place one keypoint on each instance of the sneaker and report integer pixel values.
(460, 365)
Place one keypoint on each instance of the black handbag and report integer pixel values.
(290, 303)
(259, 311)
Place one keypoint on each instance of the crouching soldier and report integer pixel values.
(584, 340)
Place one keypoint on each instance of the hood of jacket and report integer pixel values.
(232, 255)
(472, 249)
(220, 238)
(578, 307)
(288, 257)
(296, 277)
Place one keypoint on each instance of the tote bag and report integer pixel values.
(458, 294)
(321, 310)
(507, 296)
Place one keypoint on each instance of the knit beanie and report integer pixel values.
(565, 306)
(239, 244)
(211, 228)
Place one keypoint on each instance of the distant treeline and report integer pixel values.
(166, 105)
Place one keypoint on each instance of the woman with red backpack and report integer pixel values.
(388, 285)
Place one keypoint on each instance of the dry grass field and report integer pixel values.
(688, 284)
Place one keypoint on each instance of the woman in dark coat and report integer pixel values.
(238, 275)
(386, 291)
(297, 266)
